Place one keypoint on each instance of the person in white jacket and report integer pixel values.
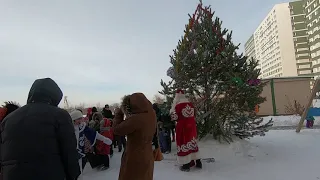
(82, 131)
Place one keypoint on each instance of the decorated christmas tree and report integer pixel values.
(222, 84)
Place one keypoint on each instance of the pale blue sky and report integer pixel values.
(100, 50)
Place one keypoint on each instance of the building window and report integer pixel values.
(302, 49)
(301, 55)
(304, 66)
(305, 72)
(303, 60)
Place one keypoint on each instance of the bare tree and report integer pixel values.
(158, 99)
(81, 106)
(296, 108)
(114, 106)
(98, 106)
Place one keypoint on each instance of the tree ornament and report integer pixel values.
(171, 72)
(205, 53)
(237, 80)
(254, 82)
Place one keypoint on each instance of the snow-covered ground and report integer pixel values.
(292, 120)
(280, 155)
(288, 120)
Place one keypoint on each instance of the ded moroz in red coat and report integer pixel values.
(183, 112)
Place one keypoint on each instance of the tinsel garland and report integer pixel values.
(215, 30)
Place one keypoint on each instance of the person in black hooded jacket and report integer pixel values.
(107, 113)
(38, 140)
(155, 140)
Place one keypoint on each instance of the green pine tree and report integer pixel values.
(206, 65)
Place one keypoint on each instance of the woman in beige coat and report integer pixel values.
(139, 126)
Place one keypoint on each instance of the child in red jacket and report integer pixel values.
(104, 150)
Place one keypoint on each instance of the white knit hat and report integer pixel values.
(76, 114)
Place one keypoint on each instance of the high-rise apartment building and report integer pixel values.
(312, 11)
(250, 48)
(273, 44)
(300, 38)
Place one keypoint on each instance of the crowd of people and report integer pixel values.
(42, 141)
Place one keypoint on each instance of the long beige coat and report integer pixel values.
(137, 162)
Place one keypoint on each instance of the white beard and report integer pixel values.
(179, 98)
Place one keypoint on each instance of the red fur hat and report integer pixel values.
(180, 91)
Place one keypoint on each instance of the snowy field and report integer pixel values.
(280, 155)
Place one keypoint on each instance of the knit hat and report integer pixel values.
(76, 114)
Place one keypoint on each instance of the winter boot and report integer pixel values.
(185, 167)
(104, 168)
(111, 151)
(173, 138)
(192, 163)
(199, 164)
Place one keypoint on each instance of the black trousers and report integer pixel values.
(124, 142)
(104, 160)
(168, 141)
(111, 150)
(84, 162)
(94, 160)
(173, 133)
(114, 141)
(121, 140)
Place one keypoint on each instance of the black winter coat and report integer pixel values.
(38, 140)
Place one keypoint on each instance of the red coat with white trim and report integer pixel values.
(186, 132)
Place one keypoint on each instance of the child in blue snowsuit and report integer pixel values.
(164, 140)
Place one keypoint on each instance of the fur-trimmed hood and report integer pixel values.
(97, 116)
(136, 103)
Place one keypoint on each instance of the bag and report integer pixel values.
(157, 155)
